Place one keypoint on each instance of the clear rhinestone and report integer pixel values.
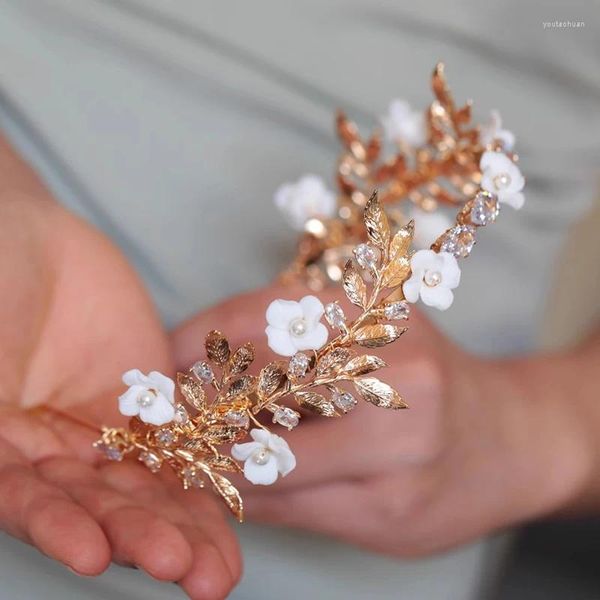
(366, 256)
(287, 417)
(192, 477)
(151, 460)
(459, 241)
(335, 315)
(397, 310)
(237, 418)
(344, 400)
(165, 437)
(203, 371)
(111, 452)
(181, 415)
(485, 209)
(298, 365)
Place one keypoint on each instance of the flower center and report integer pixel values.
(261, 457)
(298, 327)
(502, 181)
(146, 398)
(432, 278)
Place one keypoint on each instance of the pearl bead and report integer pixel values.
(261, 457)
(502, 181)
(432, 278)
(146, 398)
(298, 327)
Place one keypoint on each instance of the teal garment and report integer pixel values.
(168, 125)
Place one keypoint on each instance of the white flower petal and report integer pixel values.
(507, 138)
(244, 451)
(438, 297)
(450, 270)
(261, 474)
(163, 384)
(134, 377)
(161, 411)
(312, 309)
(313, 339)
(423, 259)
(262, 436)
(412, 287)
(128, 404)
(280, 341)
(515, 200)
(280, 313)
(286, 461)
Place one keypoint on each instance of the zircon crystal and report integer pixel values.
(181, 414)
(459, 241)
(366, 256)
(397, 310)
(203, 371)
(111, 452)
(344, 400)
(237, 418)
(335, 315)
(287, 417)
(151, 460)
(165, 437)
(298, 365)
(485, 209)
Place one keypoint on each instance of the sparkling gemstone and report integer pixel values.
(203, 371)
(397, 310)
(286, 416)
(366, 256)
(344, 400)
(181, 414)
(261, 456)
(111, 452)
(502, 181)
(432, 278)
(298, 365)
(298, 327)
(146, 398)
(335, 315)
(237, 418)
(165, 437)
(192, 477)
(151, 460)
(485, 209)
(459, 241)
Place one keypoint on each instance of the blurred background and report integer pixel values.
(148, 115)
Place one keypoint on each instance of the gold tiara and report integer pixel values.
(326, 369)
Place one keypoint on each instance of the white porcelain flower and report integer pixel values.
(434, 276)
(402, 124)
(309, 197)
(502, 177)
(265, 458)
(428, 226)
(492, 130)
(294, 326)
(150, 396)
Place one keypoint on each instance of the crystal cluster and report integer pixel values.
(458, 241)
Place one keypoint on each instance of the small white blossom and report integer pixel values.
(265, 458)
(308, 198)
(402, 124)
(434, 276)
(151, 397)
(492, 130)
(294, 326)
(501, 176)
(428, 226)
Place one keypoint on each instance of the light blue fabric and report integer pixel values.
(169, 124)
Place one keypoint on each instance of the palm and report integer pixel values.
(66, 341)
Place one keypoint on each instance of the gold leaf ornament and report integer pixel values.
(271, 378)
(226, 490)
(398, 268)
(333, 361)
(378, 393)
(376, 336)
(316, 403)
(217, 347)
(354, 286)
(240, 360)
(376, 222)
(192, 391)
(361, 365)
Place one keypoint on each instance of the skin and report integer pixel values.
(73, 318)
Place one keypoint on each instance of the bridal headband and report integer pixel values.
(197, 424)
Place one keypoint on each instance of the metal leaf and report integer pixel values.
(217, 347)
(375, 336)
(223, 434)
(192, 391)
(240, 360)
(226, 490)
(271, 378)
(396, 272)
(378, 393)
(334, 360)
(316, 403)
(361, 365)
(440, 87)
(354, 286)
(243, 386)
(224, 463)
(377, 224)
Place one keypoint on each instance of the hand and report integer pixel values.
(471, 455)
(73, 318)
